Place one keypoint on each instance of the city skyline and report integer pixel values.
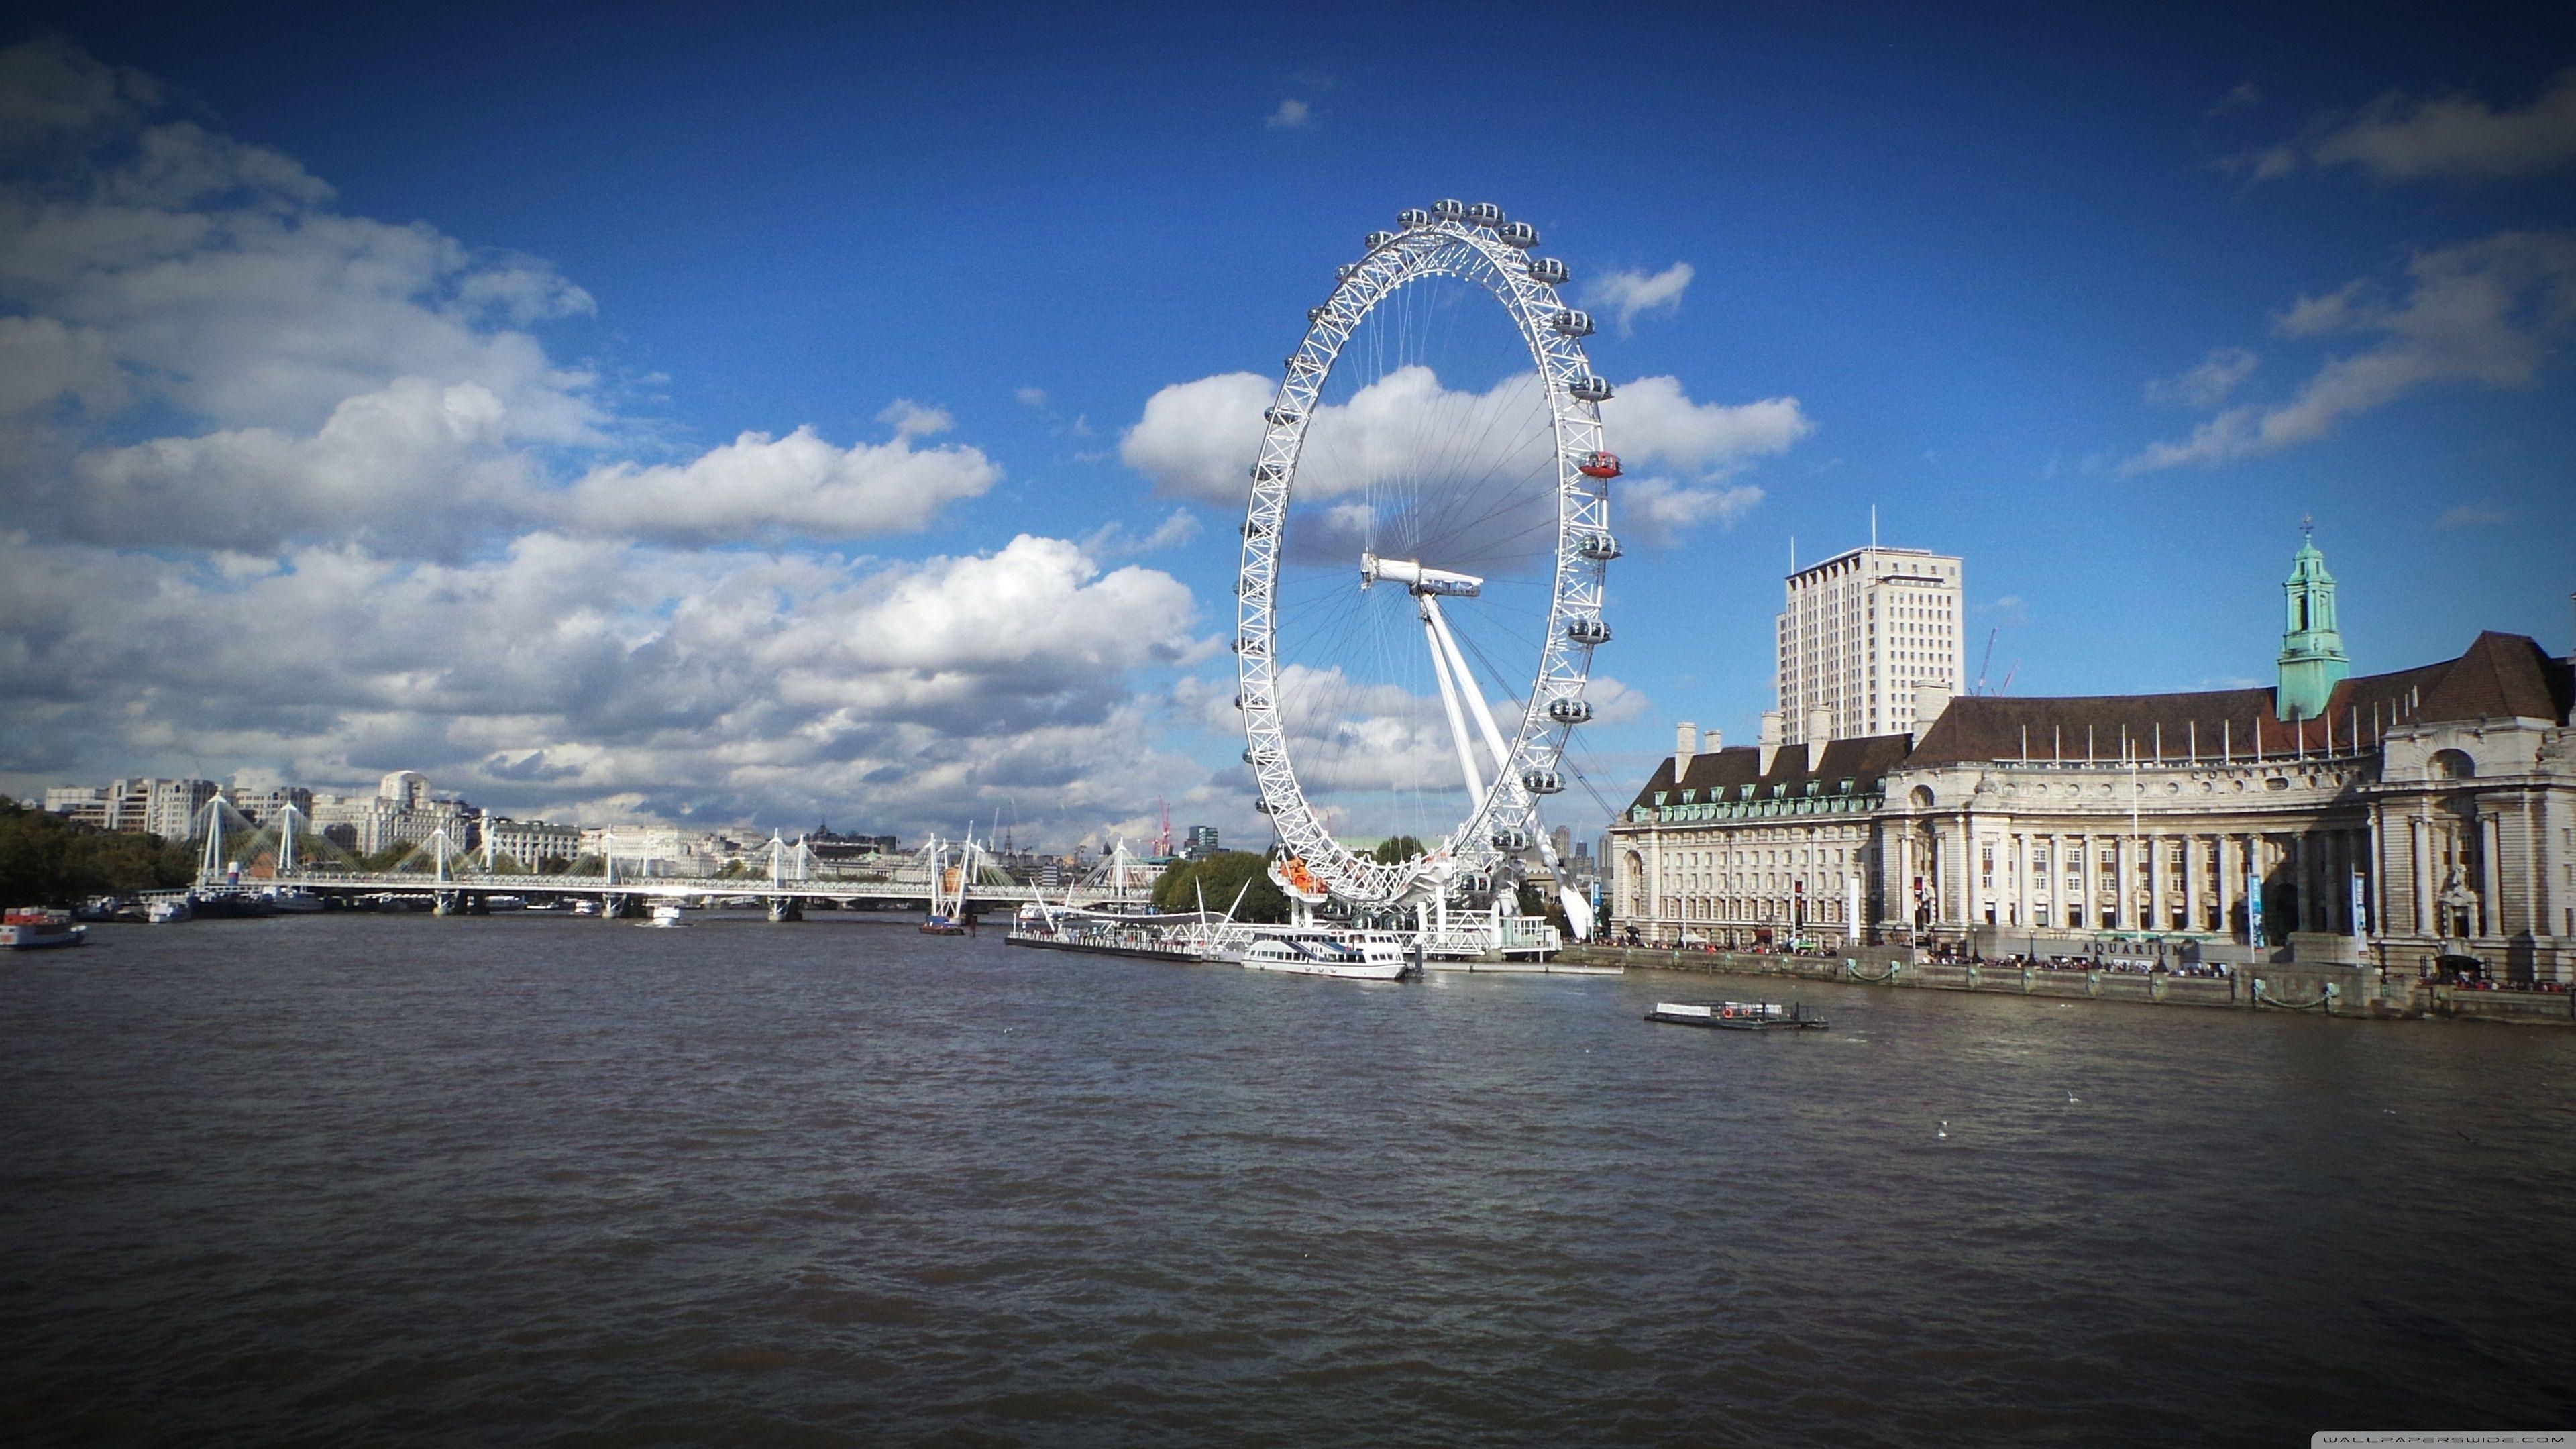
(729, 459)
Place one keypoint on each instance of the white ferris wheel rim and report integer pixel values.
(1505, 820)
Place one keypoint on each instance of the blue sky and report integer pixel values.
(1984, 256)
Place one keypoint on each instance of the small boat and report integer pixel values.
(665, 914)
(34, 928)
(505, 903)
(585, 907)
(169, 909)
(1364, 956)
(1738, 1015)
(942, 926)
(294, 902)
(226, 903)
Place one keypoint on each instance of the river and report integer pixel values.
(520, 1179)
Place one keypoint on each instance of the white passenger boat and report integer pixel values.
(1356, 955)
(33, 928)
(665, 913)
(169, 909)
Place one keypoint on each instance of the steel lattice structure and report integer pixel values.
(1473, 244)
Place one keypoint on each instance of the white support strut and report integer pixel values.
(1449, 702)
(1447, 643)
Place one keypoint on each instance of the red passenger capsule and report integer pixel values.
(1599, 465)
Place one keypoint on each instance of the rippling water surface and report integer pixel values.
(522, 1179)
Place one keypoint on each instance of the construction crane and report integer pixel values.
(1163, 831)
(1988, 662)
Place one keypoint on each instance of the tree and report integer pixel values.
(1396, 850)
(48, 860)
(1220, 876)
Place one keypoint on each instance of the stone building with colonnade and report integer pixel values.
(2420, 819)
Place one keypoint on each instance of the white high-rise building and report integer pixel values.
(1862, 632)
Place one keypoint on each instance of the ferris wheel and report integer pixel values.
(1429, 515)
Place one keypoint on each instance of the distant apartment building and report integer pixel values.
(82, 804)
(156, 806)
(1861, 633)
(401, 812)
(529, 843)
(260, 807)
(1200, 843)
(652, 850)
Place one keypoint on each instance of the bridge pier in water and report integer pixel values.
(786, 908)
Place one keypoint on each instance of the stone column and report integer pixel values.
(2159, 851)
(2231, 879)
(2124, 857)
(2422, 870)
(2192, 860)
(2491, 871)
(2021, 879)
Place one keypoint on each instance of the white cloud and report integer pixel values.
(370, 523)
(1652, 418)
(1197, 439)
(1114, 540)
(43, 362)
(761, 487)
(1628, 293)
(2205, 385)
(2487, 312)
(1657, 511)
(1035, 397)
(1292, 115)
(910, 419)
(595, 676)
(2400, 138)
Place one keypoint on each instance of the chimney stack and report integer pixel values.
(1929, 701)
(1770, 738)
(1711, 741)
(1685, 735)
(1820, 730)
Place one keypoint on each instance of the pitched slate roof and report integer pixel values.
(2499, 676)
(1863, 761)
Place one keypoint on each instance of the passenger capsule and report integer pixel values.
(1572, 324)
(1598, 547)
(1517, 234)
(1599, 465)
(1260, 807)
(1591, 388)
(1378, 239)
(1543, 782)
(1588, 631)
(1268, 472)
(1548, 270)
(1510, 839)
(1315, 315)
(1449, 209)
(1343, 272)
(1485, 213)
(1563, 711)
(1247, 758)
(1412, 217)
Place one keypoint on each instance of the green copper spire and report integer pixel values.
(2312, 657)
